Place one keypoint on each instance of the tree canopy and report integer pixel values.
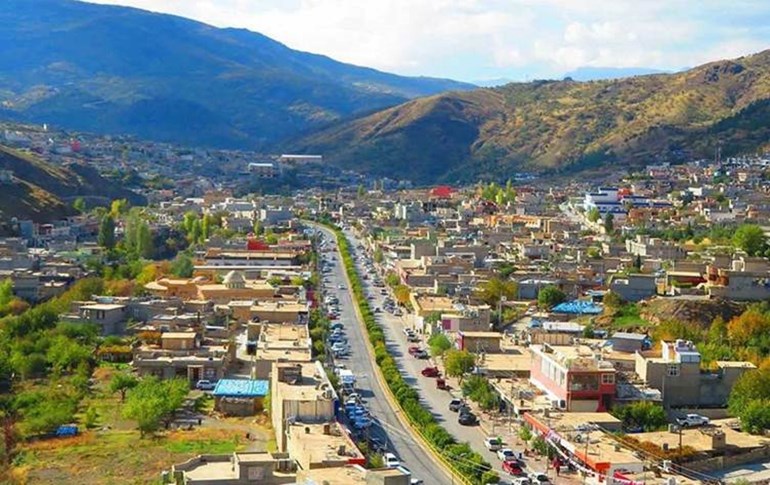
(459, 362)
(751, 239)
(550, 296)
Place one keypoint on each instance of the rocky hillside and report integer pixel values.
(44, 192)
(559, 126)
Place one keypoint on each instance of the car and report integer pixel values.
(337, 325)
(692, 420)
(413, 349)
(507, 454)
(390, 460)
(340, 348)
(455, 404)
(536, 478)
(340, 287)
(467, 419)
(430, 372)
(408, 331)
(205, 385)
(521, 481)
(413, 338)
(512, 468)
(493, 443)
(421, 354)
(377, 310)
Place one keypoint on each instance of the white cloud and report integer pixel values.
(511, 38)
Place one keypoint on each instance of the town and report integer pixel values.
(535, 331)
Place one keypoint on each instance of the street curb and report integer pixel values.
(398, 411)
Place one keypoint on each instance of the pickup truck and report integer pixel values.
(492, 443)
(692, 420)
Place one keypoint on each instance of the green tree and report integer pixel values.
(550, 296)
(612, 300)
(106, 237)
(643, 414)
(594, 214)
(751, 239)
(402, 293)
(182, 266)
(79, 205)
(118, 208)
(751, 388)
(459, 362)
(153, 401)
(144, 243)
(609, 223)
(496, 288)
(66, 354)
(378, 256)
(439, 343)
(6, 292)
(122, 382)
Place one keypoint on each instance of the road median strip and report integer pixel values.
(465, 465)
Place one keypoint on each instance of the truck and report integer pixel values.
(347, 377)
(692, 420)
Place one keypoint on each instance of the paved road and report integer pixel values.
(435, 400)
(387, 428)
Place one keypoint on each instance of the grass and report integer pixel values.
(628, 316)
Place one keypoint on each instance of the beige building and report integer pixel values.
(278, 342)
(676, 372)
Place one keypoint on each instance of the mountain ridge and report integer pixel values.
(558, 126)
(110, 69)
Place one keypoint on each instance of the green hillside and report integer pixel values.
(559, 126)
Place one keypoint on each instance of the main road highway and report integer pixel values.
(387, 427)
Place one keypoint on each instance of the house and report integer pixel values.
(111, 318)
(236, 469)
(748, 279)
(634, 287)
(574, 377)
(676, 372)
(480, 342)
(629, 342)
(240, 397)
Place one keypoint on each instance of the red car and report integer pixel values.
(413, 349)
(512, 468)
(431, 372)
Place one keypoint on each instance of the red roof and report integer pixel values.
(442, 191)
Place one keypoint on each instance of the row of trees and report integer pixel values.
(463, 459)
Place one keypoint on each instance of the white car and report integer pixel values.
(538, 478)
(507, 454)
(493, 443)
(692, 420)
(390, 460)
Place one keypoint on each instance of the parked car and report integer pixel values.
(414, 338)
(692, 420)
(507, 454)
(512, 468)
(390, 460)
(413, 349)
(421, 354)
(205, 385)
(430, 372)
(521, 481)
(493, 443)
(467, 419)
(455, 404)
(536, 478)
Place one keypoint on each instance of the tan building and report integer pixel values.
(233, 287)
(300, 393)
(324, 445)
(676, 372)
(278, 342)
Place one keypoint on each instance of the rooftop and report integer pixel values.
(241, 388)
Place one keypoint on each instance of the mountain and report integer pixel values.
(589, 73)
(110, 69)
(44, 192)
(558, 126)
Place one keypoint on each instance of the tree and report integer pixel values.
(152, 401)
(122, 383)
(106, 237)
(748, 325)
(79, 205)
(66, 354)
(392, 279)
(638, 262)
(144, 243)
(550, 296)
(182, 266)
(642, 414)
(439, 343)
(594, 214)
(6, 292)
(402, 293)
(609, 223)
(751, 239)
(495, 288)
(118, 208)
(612, 300)
(378, 256)
(459, 362)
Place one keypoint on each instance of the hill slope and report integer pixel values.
(44, 192)
(122, 70)
(559, 125)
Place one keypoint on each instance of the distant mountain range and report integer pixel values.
(44, 192)
(559, 126)
(598, 73)
(109, 69)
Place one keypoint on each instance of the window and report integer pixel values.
(673, 370)
(608, 378)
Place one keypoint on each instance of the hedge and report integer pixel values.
(459, 456)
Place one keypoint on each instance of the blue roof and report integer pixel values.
(577, 307)
(241, 388)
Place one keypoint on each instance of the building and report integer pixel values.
(480, 342)
(634, 287)
(236, 469)
(676, 372)
(748, 279)
(654, 248)
(240, 397)
(574, 377)
(185, 355)
(111, 318)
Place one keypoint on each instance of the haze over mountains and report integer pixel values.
(115, 69)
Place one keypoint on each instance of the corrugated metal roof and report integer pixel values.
(241, 388)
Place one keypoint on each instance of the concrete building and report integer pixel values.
(575, 378)
(634, 287)
(236, 469)
(676, 372)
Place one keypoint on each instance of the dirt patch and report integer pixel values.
(695, 312)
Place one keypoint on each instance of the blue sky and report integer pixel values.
(486, 39)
